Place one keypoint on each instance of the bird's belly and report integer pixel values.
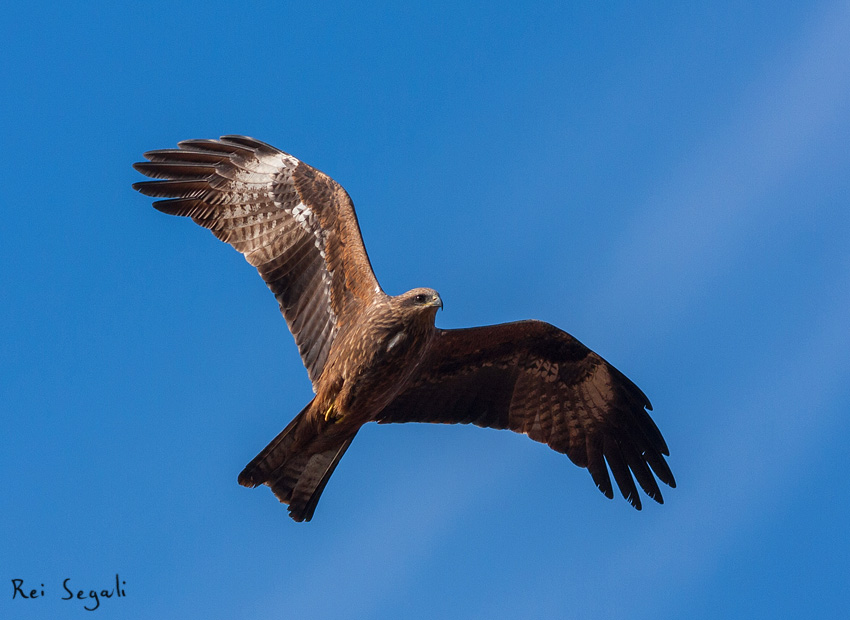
(375, 384)
(374, 390)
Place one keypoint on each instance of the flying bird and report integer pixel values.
(376, 357)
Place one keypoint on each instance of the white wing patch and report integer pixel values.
(308, 221)
(305, 218)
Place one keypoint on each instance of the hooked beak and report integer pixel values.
(436, 302)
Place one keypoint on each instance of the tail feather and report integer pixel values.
(312, 482)
(278, 451)
(296, 465)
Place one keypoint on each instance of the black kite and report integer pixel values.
(374, 357)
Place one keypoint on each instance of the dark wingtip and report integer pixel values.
(150, 155)
(251, 143)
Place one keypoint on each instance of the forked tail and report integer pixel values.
(296, 465)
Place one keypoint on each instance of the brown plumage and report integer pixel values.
(374, 357)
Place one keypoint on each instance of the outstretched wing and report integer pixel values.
(295, 224)
(533, 378)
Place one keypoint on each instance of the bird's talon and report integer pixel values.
(330, 414)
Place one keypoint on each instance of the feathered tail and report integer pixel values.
(296, 465)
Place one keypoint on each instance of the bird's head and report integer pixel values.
(421, 300)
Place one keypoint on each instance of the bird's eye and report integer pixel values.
(420, 299)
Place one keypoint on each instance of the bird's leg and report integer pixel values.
(331, 402)
(331, 414)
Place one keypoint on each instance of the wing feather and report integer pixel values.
(533, 378)
(296, 225)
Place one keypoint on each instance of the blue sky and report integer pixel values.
(669, 185)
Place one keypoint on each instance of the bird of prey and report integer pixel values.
(376, 357)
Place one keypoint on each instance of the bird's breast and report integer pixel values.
(380, 366)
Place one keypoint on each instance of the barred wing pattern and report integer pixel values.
(296, 225)
(532, 378)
